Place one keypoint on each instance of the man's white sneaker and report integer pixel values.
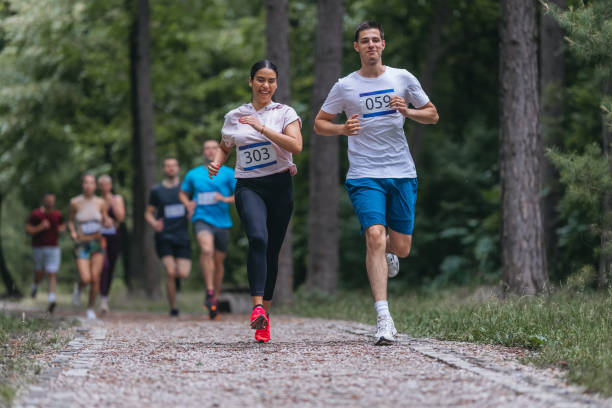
(104, 305)
(76, 295)
(90, 314)
(392, 264)
(385, 331)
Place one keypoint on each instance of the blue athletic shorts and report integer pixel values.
(384, 201)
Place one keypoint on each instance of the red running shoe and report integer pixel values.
(263, 335)
(259, 320)
(212, 305)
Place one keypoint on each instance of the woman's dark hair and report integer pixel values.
(263, 64)
(369, 24)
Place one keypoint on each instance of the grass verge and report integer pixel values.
(569, 329)
(23, 338)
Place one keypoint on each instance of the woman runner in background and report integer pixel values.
(265, 134)
(116, 214)
(87, 216)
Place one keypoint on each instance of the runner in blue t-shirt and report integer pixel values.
(207, 201)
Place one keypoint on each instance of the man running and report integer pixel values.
(381, 181)
(209, 213)
(44, 225)
(168, 217)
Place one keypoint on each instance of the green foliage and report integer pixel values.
(65, 109)
(567, 330)
(587, 177)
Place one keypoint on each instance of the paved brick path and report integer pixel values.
(131, 360)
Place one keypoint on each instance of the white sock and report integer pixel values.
(35, 286)
(382, 308)
(104, 298)
(51, 297)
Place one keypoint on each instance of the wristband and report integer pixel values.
(262, 129)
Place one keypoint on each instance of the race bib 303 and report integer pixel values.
(208, 198)
(376, 103)
(174, 211)
(257, 155)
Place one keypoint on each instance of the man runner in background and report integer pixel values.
(44, 225)
(381, 181)
(168, 217)
(207, 201)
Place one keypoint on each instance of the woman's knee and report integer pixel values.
(258, 241)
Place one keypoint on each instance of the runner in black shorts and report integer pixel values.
(208, 203)
(168, 217)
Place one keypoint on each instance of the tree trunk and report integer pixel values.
(323, 234)
(277, 46)
(9, 283)
(435, 50)
(552, 67)
(605, 257)
(523, 253)
(143, 262)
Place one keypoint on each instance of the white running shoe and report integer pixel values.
(104, 305)
(392, 264)
(76, 295)
(90, 314)
(385, 331)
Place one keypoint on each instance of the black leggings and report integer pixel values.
(264, 205)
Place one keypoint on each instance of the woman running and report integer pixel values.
(87, 216)
(265, 134)
(112, 235)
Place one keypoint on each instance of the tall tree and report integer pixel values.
(323, 165)
(523, 254)
(552, 72)
(9, 283)
(589, 39)
(277, 49)
(144, 267)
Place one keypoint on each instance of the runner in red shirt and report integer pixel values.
(44, 225)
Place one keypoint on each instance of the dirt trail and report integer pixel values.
(135, 359)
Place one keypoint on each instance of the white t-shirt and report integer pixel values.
(380, 149)
(257, 155)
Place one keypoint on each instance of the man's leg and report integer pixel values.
(219, 271)
(52, 265)
(207, 263)
(398, 243)
(52, 283)
(38, 257)
(183, 268)
(170, 267)
(376, 263)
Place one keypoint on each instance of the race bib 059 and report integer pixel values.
(208, 198)
(174, 211)
(376, 103)
(257, 155)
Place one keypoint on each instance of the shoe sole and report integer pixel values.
(384, 342)
(212, 311)
(259, 322)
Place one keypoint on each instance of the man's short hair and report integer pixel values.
(216, 142)
(369, 24)
(105, 177)
(169, 158)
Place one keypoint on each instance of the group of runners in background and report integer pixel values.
(381, 183)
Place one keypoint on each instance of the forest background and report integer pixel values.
(65, 108)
